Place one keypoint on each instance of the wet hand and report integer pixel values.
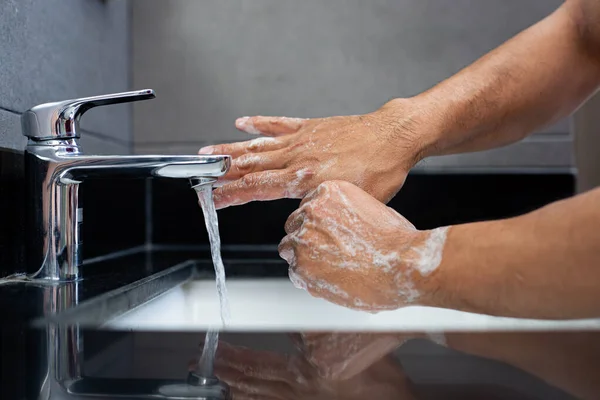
(374, 151)
(348, 248)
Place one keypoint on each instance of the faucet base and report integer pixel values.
(146, 389)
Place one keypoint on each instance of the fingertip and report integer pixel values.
(220, 206)
(246, 124)
(241, 122)
(206, 150)
(219, 202)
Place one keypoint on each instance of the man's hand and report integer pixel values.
(373, 151)
(534, 79)
(348, 248)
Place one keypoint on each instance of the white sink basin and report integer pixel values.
(276, 305)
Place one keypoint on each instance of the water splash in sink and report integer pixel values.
(212, 226)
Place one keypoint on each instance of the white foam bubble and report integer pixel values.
(295, 188)
(246, 124)
(430, 253)
(261, 142)
(248, 160)
(298, 282)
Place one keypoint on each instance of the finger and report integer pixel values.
(295, 220)
(249, 163)
(295, 278)
(261, 186)
(324, 292)
(240, 148)
(316, 193)
(269, 126)
(286, 250)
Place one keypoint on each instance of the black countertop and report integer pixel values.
(26, 302)
(503, 365)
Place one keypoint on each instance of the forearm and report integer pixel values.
(544, 264)
(534, 79)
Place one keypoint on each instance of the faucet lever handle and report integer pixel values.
(60, 120)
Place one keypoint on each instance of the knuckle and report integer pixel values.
(246, 162)
(323, 186)
(289, 226)
(283, 244)
(310, 210)
(260, 144)
(335, 185)
(218, 193)
(248, 181)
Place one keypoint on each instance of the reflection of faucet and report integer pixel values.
(55, 166)
(61, 375)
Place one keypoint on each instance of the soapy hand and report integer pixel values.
(374, 151)
(348, 248)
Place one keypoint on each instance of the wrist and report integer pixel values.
(463, 280)
(430, 266)
(411, 127)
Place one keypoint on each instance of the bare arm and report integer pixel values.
(545, 264)
(534, 79)
(345, 246)
(541, 75)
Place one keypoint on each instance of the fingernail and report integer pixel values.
(206, 150)
(245, 124)
(241, 122)
(218, 201)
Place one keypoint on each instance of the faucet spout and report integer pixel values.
(182, 167)
(55, 166)
(55, 171)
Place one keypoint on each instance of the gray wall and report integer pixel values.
(212, 61)
(59, 49)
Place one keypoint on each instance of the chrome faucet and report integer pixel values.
(55, 165)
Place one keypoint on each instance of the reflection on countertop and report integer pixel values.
(61, 356)
(355, 365)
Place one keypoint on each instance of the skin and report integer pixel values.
(539, 265)
(365, 257)
(513, 267)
